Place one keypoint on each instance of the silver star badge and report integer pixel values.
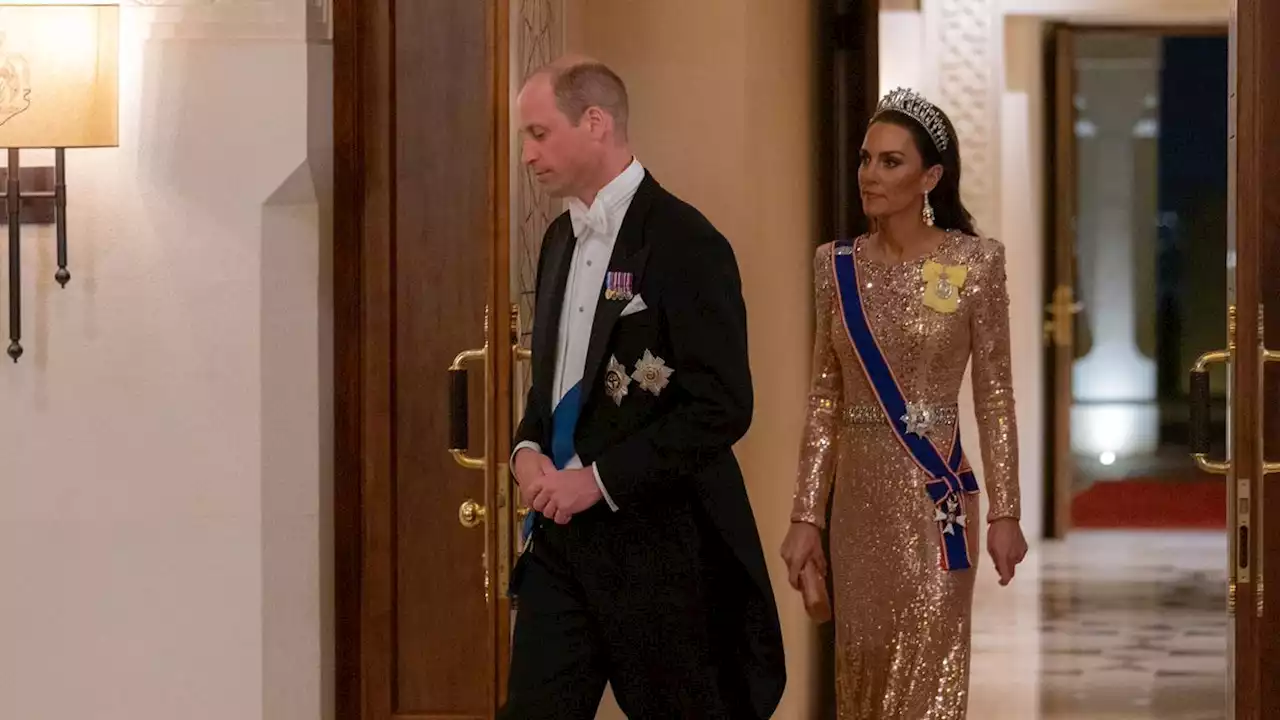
(652, 373)
(918, 419)
(616, 380)
(952, 516)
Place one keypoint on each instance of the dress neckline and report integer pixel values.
(860, 247)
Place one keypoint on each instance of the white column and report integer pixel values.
(964, 44)
(1114, 385)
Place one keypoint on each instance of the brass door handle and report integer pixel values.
(519, 352)
(459, 409)
(460, 402)
(1268, 356)
(1062, 310)
(1200, 410)
(471, 513)
(514, 542)
(1265, 356)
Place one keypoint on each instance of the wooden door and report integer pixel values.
(1254, 298)
(1074, 333)
(1060, 307)
(421, 267)
(1249, 350)
(848, 70)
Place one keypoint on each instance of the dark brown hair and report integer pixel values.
(949, 212)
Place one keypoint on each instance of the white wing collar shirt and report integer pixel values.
(596, 229)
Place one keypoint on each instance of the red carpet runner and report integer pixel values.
(1145, 503)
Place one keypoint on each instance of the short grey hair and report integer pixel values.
(590, 84)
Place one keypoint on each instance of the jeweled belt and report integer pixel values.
(921, 415)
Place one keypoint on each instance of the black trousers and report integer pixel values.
(622, 600)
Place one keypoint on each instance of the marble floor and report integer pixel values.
(1105, 626)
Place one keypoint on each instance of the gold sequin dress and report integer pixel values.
(902, 622)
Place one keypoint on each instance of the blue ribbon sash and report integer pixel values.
(564, 421)
(951, 476)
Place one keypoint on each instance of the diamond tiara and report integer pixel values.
(913, 105)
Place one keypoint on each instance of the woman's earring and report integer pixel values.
(928, 211)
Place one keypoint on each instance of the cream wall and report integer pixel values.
(722, 114)
(165, 442)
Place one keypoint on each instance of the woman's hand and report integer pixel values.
(803, 545)
(1007, 547)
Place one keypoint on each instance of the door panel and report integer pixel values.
(443, 119)
(421, 240)
(1254, 274)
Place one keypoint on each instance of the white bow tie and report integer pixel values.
(588, 218)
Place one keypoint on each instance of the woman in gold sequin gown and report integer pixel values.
(902, 621)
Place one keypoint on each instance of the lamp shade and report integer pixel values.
(59, 85)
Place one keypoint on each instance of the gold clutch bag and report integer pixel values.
(813, 588)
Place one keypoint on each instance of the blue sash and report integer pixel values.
(952, 478)
(564, 421)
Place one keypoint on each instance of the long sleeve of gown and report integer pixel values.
(993, 386)
(818, 452)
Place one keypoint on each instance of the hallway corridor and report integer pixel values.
(1105, 626)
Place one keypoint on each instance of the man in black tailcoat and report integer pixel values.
(643, 566)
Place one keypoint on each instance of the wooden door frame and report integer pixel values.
(848, 78)
(1060, 205)
(849, 72)
(1255, 423)
(364, 127)
(1060, 208)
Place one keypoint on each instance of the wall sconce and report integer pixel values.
(59, 89)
